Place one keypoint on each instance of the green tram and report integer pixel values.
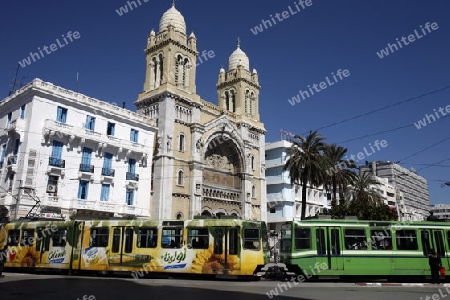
(353, 248)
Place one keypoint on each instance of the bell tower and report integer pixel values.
(238, 88)
(171, 57)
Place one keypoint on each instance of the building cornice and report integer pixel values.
(37, 86)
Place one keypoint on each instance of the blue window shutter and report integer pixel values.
(22, 111)
(105, 192)
(83, 189)
(130, 197)
(113, 127)
(107, 163)
(86, 157)
(88, 122)
(92, 123)
(59, 114)
(57, 150)
(131, 134)
(64, 115)
(136, 136)
(132, 166)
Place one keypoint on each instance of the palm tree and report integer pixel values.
(306, 163)
(339, 173)
(362, 189)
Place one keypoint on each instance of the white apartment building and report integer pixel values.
(386, 191)
(284, 201)
(72, 155)
(413, 188)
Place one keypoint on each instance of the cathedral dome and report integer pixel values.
(238, 57)
(174, 17)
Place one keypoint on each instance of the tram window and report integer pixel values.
(251, 239)
(59, 237)
(355, 239)
(381, 239)
(448, 237)
(198, 238)
(424, 234)
(13, 237)
(172, 237)
(233, 249)
(439, 243)
(218, 240)
(99, 237)
(302, 238)
(286, 238)
(116, 240)
(406, 240)
(43, 235)
(128, 240)
(147, 237)
(27, 237)
(320, 238)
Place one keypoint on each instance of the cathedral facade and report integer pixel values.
(208, 159)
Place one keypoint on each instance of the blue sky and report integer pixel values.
(301, 50)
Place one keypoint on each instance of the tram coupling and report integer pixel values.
(274, 271)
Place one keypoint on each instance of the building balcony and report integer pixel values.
(86, 168)
(56, 162)
(52, 127)
(108, 172)
(56, 166)
(51, 201)
(127, 209)
(132, 176)
(16, 126)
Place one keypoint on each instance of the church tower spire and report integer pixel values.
(171, 56)
(238, 88)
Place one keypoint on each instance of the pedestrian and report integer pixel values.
(435, 264)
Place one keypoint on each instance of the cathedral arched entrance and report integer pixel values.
(222, 177)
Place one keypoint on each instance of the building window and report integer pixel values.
(110, 129)
(104, 195)
(130, 197)
(253, 192)
(61, 114)
(86, 160)
(83, 189)
(2, 158)
(8, 120)
(252, 162)
(107, 165)
(55, 160)
(131, 174)
(90, 123)
(52, 185)
(22, 112)
(180, 180)
(181, 143)
(134, 135)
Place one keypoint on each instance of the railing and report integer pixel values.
(87, 168)
(108, 172)
(132, 176)
(56, 162)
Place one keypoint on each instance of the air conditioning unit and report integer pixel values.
(51, 188)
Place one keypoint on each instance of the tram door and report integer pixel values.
(226, 246)
(122, 245)
(328, 245)
(434, 239)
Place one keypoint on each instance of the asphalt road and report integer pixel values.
(39, 287)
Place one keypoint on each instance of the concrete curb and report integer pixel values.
(380, 284)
